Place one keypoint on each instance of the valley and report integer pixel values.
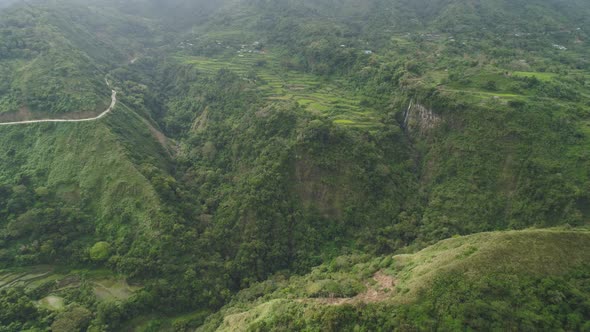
(294, 165)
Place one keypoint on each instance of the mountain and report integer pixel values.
(484, 281)
(56, 58)
(294, 165)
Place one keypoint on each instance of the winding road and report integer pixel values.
(101, 115)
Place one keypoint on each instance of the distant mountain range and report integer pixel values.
(287, 165)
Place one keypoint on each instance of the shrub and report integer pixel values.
(100, 251)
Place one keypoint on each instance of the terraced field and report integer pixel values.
(106, 286)
(545, 77)
(29, 279)
(480, 95)
(273, 82)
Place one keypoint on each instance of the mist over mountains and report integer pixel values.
(290, 165)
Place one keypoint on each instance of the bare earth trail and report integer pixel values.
(381, 291)
(101, 115)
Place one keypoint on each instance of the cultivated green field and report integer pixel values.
(58, 281)
(538, 75)
(273, 82)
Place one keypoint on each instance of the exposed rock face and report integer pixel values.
(419, 119)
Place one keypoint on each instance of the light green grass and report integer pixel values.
(113, 289)
(240, 321)
(474, 83)
(52, 302)
(533, 252)
(344, 122)
(484, 94)
(545, 77)
(540, 253)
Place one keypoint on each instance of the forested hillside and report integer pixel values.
(481, 282)
(324, 165)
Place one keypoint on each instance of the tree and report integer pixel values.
(74, 320)
(100, 251)
(491, 85)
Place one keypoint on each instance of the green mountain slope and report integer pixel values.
(54, 58)
(82, 169)
(485, 281)
(258, 139)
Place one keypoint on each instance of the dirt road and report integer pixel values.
(101, 115)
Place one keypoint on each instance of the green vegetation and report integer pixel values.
(485, 281)
(274, 83)
(52, 63)
(545, 77)
(295, 165)
(63, 298)
(52, 302)
(100, 251)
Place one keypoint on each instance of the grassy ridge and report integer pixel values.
(270, 305)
